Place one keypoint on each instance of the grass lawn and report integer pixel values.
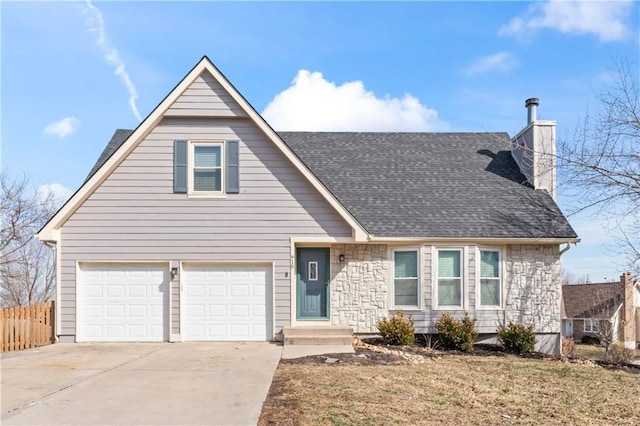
(453, 389)
(594, 352)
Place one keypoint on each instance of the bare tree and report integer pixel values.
(608, 298)
(569, 278)
(601, 164)
(27, 272)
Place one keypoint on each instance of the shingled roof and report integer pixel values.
(118, 138)
(599, 300)
(423, 184)
(430, 184)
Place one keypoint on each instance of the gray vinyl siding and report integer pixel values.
(135, 216)
(205, 98)
(425, 319)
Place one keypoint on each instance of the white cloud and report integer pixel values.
(65, 127)
(501, 61)
(96, 24)
(58, 193)
(604, 19)
(315, 104)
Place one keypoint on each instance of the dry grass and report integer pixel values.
(594, 351)
(453, 389)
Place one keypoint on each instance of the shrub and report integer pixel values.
(590, 340)
(568, 346)
(618, 355)
(517, 338)
(397, 330)
(457, 334)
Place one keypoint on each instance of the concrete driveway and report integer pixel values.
(137, 383)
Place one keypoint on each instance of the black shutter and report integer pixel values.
(233, 168)
(180, 166)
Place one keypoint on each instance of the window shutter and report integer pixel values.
(180, 166)
(233, 168)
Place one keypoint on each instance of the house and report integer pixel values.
(595, 310)
(205, 224)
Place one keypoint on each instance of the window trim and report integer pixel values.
(463, 279)
(479, 304)
(591, 329)
(191, 192)
(419, 280)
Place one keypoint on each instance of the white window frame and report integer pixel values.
(191, 160)
(479, 304)
(591, 323)
(418, 279)
(463, 270)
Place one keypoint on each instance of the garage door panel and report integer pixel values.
(239, 311)
(225, 302)
(216, 290)
(115, 311)
(137, 290)
(239, 290)
(137, 311)
(196, 290)
(219, 311)
(124, 302)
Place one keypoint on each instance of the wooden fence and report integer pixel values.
(23, 327)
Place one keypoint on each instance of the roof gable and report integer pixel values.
(121, 146)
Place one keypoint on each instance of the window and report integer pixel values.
(313, 271)
(206, 175)
(590, 326)
(490, 278)
(405, 278)
(449, 281)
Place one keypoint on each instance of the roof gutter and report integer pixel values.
(486, 240)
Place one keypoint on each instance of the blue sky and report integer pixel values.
(73, 72)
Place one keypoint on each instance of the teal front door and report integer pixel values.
(313, 283)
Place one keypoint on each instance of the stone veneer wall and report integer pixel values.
(533, 288)
(359, 285)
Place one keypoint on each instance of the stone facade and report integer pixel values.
(360, 290)
(359, 285)
(533, 287)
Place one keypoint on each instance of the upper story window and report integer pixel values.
(206, 174)
(206, 168)
(405, 278)
(490, 290)
(449, 282)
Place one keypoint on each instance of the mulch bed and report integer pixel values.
(375, 352)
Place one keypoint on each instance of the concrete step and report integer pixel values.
(326, 335)
(318, 331)
(317, 340)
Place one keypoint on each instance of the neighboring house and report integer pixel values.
(592, 309)
(204, 223)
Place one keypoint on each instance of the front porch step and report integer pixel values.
(318, 335)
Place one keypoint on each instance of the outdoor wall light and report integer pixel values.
(341, 258)
(174, 272)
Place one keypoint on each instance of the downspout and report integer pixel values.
(567, 247)
(54, 247)
(563, 251)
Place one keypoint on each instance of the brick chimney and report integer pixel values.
(628, 313)
(534, 150)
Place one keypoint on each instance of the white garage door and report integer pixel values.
(225, 302)
(123, 303)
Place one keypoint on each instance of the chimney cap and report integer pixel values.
(531, 101)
